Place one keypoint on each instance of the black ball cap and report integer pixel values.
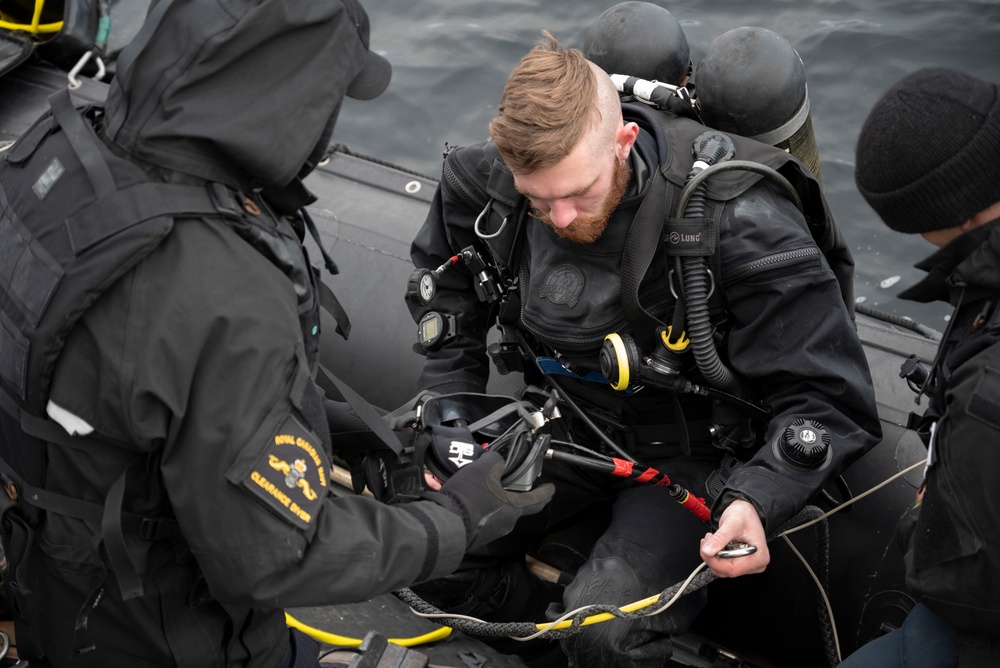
(373, 78)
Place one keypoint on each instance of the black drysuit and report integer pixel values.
(789, 336)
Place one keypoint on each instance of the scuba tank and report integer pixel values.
(642, 42)
(753, 83)
(640, 39)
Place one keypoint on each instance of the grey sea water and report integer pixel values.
(451, 59)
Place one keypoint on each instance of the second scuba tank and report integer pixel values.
(753, 83)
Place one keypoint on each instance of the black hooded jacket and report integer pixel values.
(193, 373)
(953, 537)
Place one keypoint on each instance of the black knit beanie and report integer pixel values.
(928, 157)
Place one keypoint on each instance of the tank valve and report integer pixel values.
(805, 444)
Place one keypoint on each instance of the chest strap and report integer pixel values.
(640, 247)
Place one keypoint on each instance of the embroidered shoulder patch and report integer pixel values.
(291, 476)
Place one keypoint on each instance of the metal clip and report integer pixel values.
(479, 219)
(74, 83)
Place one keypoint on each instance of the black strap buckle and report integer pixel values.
(225, 200)
(148, 528)
(158, 528)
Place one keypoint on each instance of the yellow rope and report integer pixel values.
(344, 641)
(544, 627)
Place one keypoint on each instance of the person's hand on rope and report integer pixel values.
(739, 523)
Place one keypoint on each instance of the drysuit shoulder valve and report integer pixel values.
(752, 82)
(639, 39)
(805, 444)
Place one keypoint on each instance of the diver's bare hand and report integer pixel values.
(739, 523)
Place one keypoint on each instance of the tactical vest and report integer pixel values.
(75, 218)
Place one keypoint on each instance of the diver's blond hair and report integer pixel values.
(552, 99)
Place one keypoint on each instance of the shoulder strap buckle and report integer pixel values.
(224, 200)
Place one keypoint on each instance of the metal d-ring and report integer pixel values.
(479, 218)
(673, 290)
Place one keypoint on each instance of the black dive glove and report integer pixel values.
(475, 494)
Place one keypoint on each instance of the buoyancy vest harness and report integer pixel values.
(500, 226)
(74, 218)
(687, 236)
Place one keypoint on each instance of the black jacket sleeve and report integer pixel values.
(461, 365)
(209, 370)
(793, 338)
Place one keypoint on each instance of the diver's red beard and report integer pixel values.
(588, 228)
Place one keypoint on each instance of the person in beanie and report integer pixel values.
(928, 162)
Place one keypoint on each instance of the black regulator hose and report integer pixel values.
(710, 149)
(746, 165)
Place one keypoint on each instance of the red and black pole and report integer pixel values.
(634, 471)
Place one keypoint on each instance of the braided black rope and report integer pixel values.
(825, 626)
(906, 323)
(828, 640)
(342, 148)
(701, 579)
(525, 629)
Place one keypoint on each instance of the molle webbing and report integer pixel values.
(74, 218)
(69, 234)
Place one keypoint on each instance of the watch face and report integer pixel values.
(430, 329)
(426, 287)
